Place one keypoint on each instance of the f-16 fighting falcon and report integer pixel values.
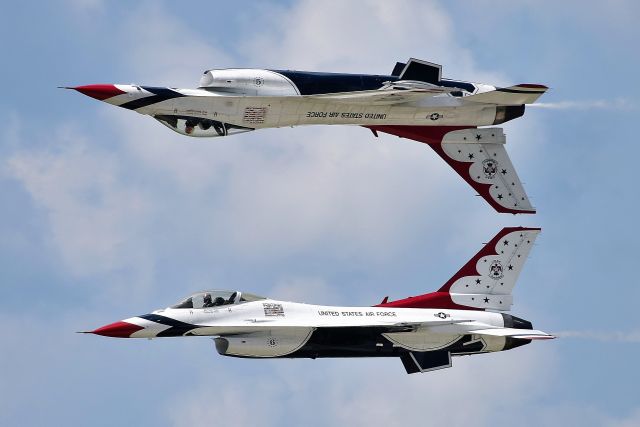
(465, 316)
(413, 102)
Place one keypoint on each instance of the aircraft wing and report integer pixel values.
(525, 334)
(391, 94)
(409, 326)
(478, 156)
(426, 361)
(513, 95)
(463, 327)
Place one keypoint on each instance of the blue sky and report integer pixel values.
(106, 214)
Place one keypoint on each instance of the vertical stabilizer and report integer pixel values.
(487, 280)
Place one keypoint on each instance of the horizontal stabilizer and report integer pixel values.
(524, 334)
(425, 361)
(513, 95)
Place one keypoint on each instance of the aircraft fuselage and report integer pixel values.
(236, 100)
(270, 328)
(463, 317)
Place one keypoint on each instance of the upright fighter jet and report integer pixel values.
(465, 316)
(413, 102)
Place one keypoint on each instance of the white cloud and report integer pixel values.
(328, 38)
(235, 404)
(274, 193)
(162, 50)
(118, 205)
(632, 420)
(312, 290)
(98, 226)
(373, 391)
(94, 215)
(86, 8)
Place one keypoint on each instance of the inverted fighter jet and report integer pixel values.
(413, 102)
(465, 316)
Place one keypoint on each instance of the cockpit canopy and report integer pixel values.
(247, 82)
(216, 298)
(198, 126)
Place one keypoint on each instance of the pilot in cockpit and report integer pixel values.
(207, 301)
(232, 298)
(218, 301)
(189, 125)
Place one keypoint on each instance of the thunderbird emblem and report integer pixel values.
(490, 168)
(495, 270)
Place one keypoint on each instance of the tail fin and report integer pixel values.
(486, 281)
(512, 95)
(478, 156)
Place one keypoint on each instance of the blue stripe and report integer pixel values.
(177, 328)
(159, 94)
(315, 83)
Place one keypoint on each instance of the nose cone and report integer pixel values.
(118, 330)
(100, 92)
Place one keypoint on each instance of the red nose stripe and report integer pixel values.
(117, 330)
(100, 92)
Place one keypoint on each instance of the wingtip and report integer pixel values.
(542, 337)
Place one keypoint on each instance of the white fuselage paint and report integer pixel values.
(298, 111)
(257, 99)
(271, 328)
